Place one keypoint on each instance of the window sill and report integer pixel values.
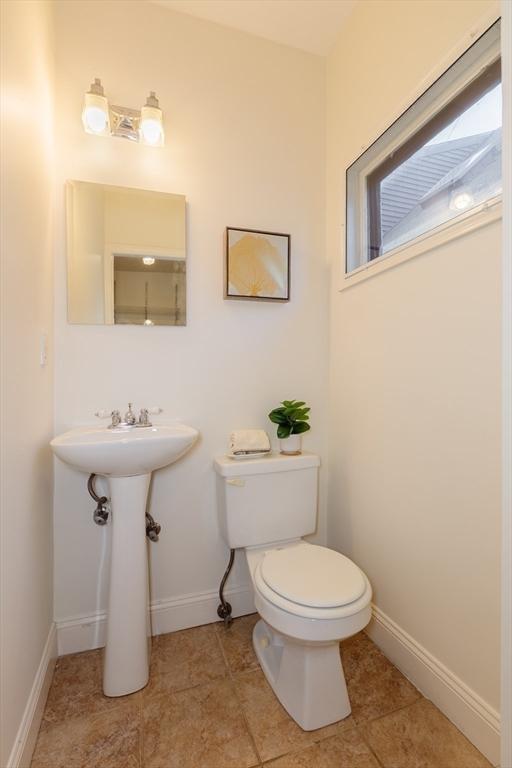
(475, 219)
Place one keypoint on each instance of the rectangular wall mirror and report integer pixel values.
(126, 256)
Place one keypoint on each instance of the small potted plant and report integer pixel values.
(292, 420)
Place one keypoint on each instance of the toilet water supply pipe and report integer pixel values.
(101, 512)
(224, 610)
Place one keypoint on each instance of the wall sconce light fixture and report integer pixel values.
(103, 119)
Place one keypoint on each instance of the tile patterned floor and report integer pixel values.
(208, 705)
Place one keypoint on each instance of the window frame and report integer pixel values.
(420, 116)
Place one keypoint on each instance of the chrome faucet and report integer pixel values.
(129, 417)
(129, 420)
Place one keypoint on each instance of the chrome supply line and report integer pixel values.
(100, 515)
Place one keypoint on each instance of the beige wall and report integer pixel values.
(245, 139)
(27, 388)
(414, 488)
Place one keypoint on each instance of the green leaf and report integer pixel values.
(298, 428)
(299, 414)
(284, 430)
(277, 418)
(293, 403)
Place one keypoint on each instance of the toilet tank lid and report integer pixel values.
(275, 462)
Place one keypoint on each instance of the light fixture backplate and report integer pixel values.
(124, 122)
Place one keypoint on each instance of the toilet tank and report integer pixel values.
(264, 500)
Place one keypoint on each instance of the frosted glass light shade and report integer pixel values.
(95, 115)
(151, 126)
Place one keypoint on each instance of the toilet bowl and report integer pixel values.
(309, 597)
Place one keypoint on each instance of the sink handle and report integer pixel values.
(114, 415)
(103, 414)
(144, 416)
(155, 410)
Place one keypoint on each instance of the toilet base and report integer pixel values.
(307, 678)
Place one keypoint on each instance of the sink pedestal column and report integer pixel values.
(126, 661)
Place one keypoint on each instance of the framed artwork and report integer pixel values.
(257, 265)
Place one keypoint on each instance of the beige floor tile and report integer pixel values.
(273, 730)
(419, 736)
(76, 690)
(189, 657)
(375, 686)
(347, 750)
(237, 643)
(108, 740)
(200, 727)
(195, 716)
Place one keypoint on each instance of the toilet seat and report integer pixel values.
(278, 585)
(313, 576)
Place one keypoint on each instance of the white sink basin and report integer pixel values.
(124, 452)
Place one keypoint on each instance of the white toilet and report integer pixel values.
(309, 597)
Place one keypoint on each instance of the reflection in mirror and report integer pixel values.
(126, 256)
(149, 290)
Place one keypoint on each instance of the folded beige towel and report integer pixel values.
(248, 441)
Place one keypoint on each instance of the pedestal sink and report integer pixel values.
(126, 457)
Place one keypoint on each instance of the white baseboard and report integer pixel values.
(83, 633)
(21, 754)
(479, 722)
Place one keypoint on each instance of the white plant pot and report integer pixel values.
(291, 446)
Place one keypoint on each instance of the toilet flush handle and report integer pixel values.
(236, 481)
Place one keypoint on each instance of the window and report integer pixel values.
(440, 160)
